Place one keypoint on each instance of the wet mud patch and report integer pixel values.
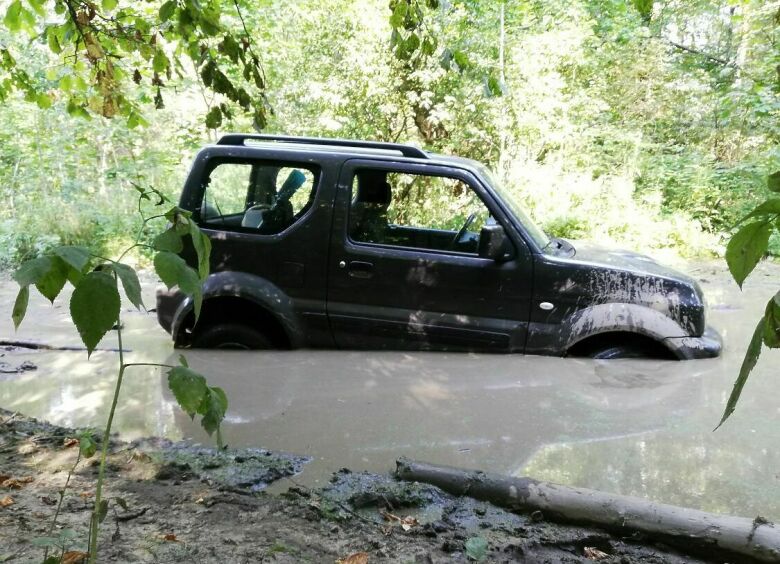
(458, 524)
(203, 511)
(242, 470)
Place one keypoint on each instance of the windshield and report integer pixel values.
(536, 233)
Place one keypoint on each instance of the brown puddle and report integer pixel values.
(634, 427)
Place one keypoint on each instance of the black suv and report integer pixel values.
(355, 244)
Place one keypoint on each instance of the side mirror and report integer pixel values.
(494, 244)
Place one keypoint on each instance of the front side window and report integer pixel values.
(258, 197)
(416, 210)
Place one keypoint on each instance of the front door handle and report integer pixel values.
(361, 269)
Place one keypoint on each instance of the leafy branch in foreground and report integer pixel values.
(744, 251)
(108, 49)
(95, 308)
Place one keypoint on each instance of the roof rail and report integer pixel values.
(405, 150)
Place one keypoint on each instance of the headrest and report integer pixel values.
(373, 188)
(294, 181)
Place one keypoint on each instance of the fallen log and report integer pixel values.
(692, 530)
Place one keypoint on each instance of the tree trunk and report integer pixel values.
(689, 529)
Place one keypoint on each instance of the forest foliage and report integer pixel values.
(648, 124)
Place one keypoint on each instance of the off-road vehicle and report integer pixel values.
(357, 244)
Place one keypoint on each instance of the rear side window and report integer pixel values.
(265, 198)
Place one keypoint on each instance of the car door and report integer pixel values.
(405, 272)
(270, 219)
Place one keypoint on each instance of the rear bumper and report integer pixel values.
(709, 345)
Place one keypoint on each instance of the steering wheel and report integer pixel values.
(469, 220)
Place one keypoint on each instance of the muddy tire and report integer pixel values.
(231, 336)
(621, 351)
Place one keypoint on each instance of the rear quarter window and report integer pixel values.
(259, 197)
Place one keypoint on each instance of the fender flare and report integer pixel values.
(619, 317)
(249, 287)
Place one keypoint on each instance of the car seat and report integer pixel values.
(281, 214)
(368, 219)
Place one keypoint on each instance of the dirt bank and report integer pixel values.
(192, 504)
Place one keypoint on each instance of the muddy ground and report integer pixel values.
(188, 504)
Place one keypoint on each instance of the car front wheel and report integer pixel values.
(620, 351)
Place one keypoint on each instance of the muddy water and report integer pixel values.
(635, 427)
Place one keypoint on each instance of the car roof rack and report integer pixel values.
(405, 150)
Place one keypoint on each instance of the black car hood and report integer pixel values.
(597, 255)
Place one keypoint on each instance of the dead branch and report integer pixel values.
(689, 529)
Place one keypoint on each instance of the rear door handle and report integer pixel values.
(360, 269)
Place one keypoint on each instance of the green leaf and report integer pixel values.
(32, 271)
(38, 7)
(169, 267)
(52, 282)
(121, 502)
(12, 16)
(259, 119)
(77, 257)
(94, 307)
(494, 86)
(76, 110)
(429, 46)
(399, 14)
(109, 5)
(183, 361)
(167, 10)
(173, 271)
(53, 41)
(645, 8)
(773, 181)
(222, 85)
(214, 118)
(66, 84)
(87, 445)
(412, 43)
(188, 387)
(134, 119)
(476, 549)
(176, 215)
(213, 408)
(20, 306)
(231, 48)
(746, 247)
(160, 61)
(43, 100)
(772, 323)
(748, 363)
(209, 21)
(130, 283)
(102, 510)
(207, 73)
(202, 245)
(769, 207)
(461, 59)
(168, 240)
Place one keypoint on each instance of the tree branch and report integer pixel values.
(707, 56)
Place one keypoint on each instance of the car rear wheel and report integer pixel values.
(231, 336)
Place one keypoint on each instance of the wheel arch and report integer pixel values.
(239, 296)
(622, 322)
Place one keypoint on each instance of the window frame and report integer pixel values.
(464, 176)
(213, 163)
